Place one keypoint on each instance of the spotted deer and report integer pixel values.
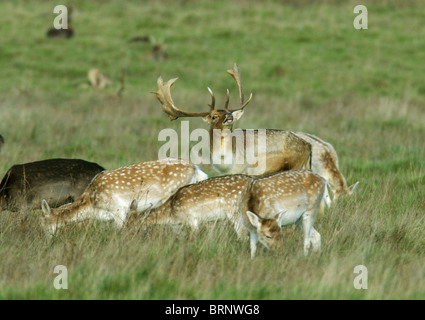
(217, 198)
(58, 181)
(282, 150)
(325, 163)
(110, 194)
(284, 198)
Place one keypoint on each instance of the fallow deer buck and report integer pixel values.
(110, 194)
(283, 150)
(325, 163)
(58, 181)
(283, 198)
(291, 147)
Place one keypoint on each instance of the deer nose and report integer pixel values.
(229, 118)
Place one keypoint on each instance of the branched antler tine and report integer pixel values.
(235, 73)
(164, 96)
(226, 105)
(247, 101)
(212, 105)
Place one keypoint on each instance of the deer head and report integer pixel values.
(217, 118)
(267, 231)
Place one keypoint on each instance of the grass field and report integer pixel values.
(309, 70)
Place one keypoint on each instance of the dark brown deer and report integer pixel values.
(58, 181)
(282, 150)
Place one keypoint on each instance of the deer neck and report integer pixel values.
(75, 212)
(222, 149)
(159, 215)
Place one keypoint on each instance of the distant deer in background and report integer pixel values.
(158, 47)
(283, 151)
(110, 194)
(99, 80)
(58, 181)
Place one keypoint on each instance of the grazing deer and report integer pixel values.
(284, 198)
(109, 195)
(283, 150)
(325, 163)
(99, 81)
(218, 198)
(58, 181)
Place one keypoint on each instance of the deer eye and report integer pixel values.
(215, 117)
(268, 237)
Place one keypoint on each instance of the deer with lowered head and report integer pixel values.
(325, 163)
(281, 199)
(282, 150)
(109, 195)
(260, 206)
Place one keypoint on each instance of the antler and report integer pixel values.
(212, 105)
(164, 96)
(235, 73)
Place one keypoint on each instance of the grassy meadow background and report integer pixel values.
(309, 70)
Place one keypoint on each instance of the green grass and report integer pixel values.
(309, 70)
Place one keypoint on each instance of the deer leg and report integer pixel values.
(253, 243)
(315, 240)
(307, 226)
(120, 217)
(195, 226)
(242, 233)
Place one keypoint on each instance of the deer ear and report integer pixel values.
(45, 207)
(133, 205)
(207, 119)
(237, 115)
(353, 187)
(280, 217)
(254, 219)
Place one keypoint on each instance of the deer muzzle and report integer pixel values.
(228, 119)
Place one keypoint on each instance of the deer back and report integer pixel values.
(294, 191)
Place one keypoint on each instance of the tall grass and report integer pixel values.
(309, 70)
